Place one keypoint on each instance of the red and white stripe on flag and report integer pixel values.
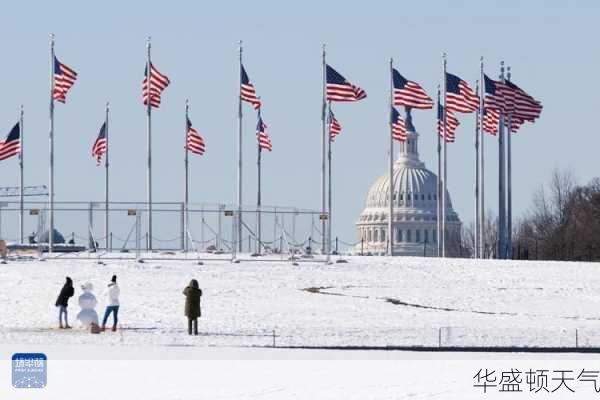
(195, 142)
(334, 128)
(451, 125)
(399, 129)
(158, 83)
(248, 94)
(9, 149)
(264, 141)
(64, 79)
(99, 149)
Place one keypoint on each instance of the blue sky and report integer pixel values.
(195, 44)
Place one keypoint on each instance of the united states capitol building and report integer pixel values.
(415, 203)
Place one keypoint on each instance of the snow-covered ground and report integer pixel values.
(370, 301)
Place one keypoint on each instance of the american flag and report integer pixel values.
(451, 123)
(525, 106)
(339, 89)
(264, 141)
(498, 95)
(398, 127)
(408, 93)
(64, 79)
(247, 91)
(12, 144)
(459, 96)
(158, 83)
(334, 126)
(194, 142)
(100, 145)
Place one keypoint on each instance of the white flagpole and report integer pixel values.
(106, 204)
(239, 158)
(323, 145)
(439, 181)
(21, 187)
(477, 226)
(258, 199)
(501, 182)
(482, 155)
(51, 139)
(391, 166)
(186, 186)
(445, 179)
(509, 181)
(149, 143)
(329, 189)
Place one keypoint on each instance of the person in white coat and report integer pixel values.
(112, 303)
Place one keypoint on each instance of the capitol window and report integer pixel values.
(418, 236)
(398, 235)
(408, 235)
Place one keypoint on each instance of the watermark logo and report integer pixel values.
(29, 370)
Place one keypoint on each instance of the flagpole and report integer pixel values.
(323, 139)
(51, 139)
(329, 189)
(106, 204)
(258, 199)
(149, 142)
(482, 155)
(439, 182)
(186, 185)
(21, 194)
(239, 169)
(501, 181)
(509, 181)
(477, 226)
(391, 166)
(445, 179)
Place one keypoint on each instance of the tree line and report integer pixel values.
(563, 223)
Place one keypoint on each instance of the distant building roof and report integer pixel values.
(57, 237)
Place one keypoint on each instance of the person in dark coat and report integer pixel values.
(62, 302)
(192, 305)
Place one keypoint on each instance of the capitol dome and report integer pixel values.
(414, 209)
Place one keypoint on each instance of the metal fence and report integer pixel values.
(202, 227)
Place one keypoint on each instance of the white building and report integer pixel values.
(415, 204)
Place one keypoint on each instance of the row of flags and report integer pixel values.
(499, 97)
(498, 102)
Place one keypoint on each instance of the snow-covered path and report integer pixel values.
(370, 301)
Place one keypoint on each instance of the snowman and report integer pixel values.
(87, 302)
